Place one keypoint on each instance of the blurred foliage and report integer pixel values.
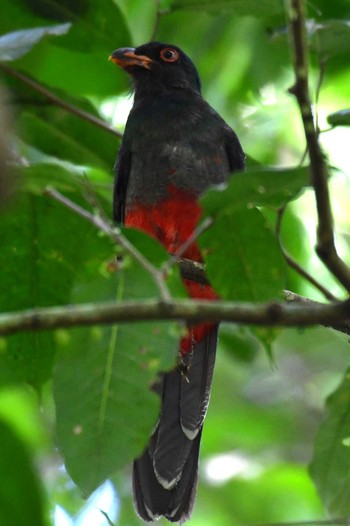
(266, 407)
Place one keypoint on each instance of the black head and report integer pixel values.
(156, 66)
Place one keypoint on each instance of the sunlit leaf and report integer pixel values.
(18, 43)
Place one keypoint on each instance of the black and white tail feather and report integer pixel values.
(165, 476)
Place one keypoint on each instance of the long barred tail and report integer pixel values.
(165, 476)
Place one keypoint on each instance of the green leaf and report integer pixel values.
(62, 135)
(43, 246)
(96, 26)
(270, 187)
(263, 8)
(18, 43)
(331, 38)
(330, 467)
(242, 256)
(239, 341)
(104, 405)
(131, 10)
(339, 118)
(84, 73)
(20, 495)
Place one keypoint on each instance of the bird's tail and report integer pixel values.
(165, 476)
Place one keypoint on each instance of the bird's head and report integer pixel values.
(157, 66)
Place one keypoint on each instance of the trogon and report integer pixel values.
(174, 147)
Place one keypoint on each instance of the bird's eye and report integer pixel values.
(169, 55)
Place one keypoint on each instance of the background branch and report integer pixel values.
(268, 314)
(325, 247)
(295, 265)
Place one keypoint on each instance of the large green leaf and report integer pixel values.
(20, 496)
(330, 467)
(105, 408)
(79, 74)
(93, 23)
(18, 43)
(43, 246)
(242, 256)
(82, 56)
(96, 26)
(265, 8)
(60, 134)
(259, 187)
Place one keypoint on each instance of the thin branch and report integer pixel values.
(295, 265)
(268, 314)
(174, 258)
(325, 247)
(117, 236)
(295, 298)
(322, 69)
(39, 88)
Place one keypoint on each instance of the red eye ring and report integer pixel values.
(169, 54)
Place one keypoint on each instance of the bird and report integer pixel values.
(174, 147)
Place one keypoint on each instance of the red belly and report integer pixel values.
(172, 222)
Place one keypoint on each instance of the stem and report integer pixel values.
(325, 247)
(118, 237)
(295, 265)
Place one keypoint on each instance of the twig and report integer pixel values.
(268, 314)
(292, 297)
(325, 247)
(295, 265)
(57, 101)
(118, 237)
(174, 258)
(322, 69)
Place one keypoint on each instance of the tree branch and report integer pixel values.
(295, 265)
(57, 101)
(117, 236)
(293, 297)
(268, 314)
(325, 247)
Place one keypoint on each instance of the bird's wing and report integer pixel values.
(235, 154)
(122, 171)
